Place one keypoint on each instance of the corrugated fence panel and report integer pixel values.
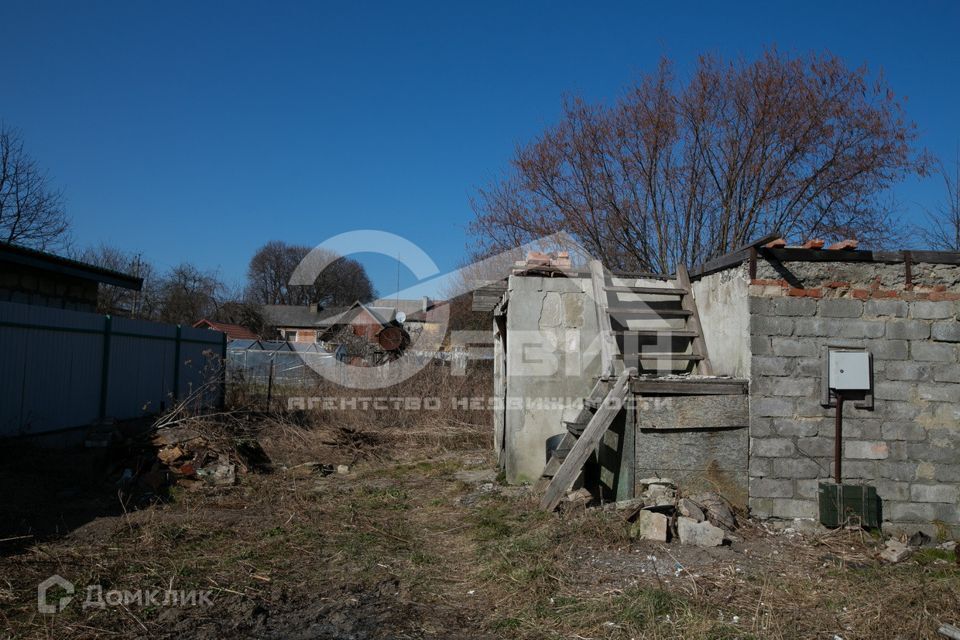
(200, 355)
(52, 367)
(51, 370)
(141, 367)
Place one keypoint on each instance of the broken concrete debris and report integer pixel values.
(716, 509)
(659, 514)
(689, 509)
(895, 551)
(651, 526)
(701, 534)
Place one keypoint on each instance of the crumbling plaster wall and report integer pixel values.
(552, 360)
(725, 318)
(908, 445)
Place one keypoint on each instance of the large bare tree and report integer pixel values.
(685, 171)
(31, 212)
(268, 278)
(943, 223)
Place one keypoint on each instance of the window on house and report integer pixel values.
(291, 336)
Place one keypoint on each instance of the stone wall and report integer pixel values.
(25, 285)
(908, 444)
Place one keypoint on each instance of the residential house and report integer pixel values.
(233, 331)
(299, 323)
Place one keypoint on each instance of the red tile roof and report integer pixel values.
(233, 331)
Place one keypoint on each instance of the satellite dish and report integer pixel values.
(401, 317)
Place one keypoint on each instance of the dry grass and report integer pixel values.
(401, 548)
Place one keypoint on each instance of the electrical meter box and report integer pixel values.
(849, 370)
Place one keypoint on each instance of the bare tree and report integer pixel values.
(31, 212)
(186, 294)
(268, 278)
(943, 224)
(119, 301)
(684, 172)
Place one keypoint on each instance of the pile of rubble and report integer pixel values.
(193, 459)
(147, 462)
(661, 514)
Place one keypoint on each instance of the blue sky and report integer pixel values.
(197, 131)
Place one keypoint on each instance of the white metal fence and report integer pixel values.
(61, 369)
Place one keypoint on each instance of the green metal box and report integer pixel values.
(842, 504)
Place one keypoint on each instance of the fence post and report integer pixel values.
(223, 373)
(105, 365)
(176, 367)
(270, 385)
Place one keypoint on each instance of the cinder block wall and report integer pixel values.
(24, 285)
(908, 446)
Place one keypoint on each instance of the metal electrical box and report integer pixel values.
(849, 370)
(843, 504)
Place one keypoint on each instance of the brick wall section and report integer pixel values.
(908, 446)
(24, 285)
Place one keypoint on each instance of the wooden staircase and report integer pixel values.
(656, 329)
(646, 330)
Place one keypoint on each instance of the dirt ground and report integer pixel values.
(421, 540)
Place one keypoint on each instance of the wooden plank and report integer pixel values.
(731, 258)
(608, 345)
(817, 255)
(587, 442)
(693, 412)
(693, 322)
(660, 291)
(936, 257)
(647, 312)
(679, 333)
(662, 355)
(667, 386)
(626, 475)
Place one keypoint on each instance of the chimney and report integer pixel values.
(314, 307)
(424, 303)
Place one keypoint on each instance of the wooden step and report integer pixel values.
(662, 356)
(647, 312)
(680, 333)
(576, 428)
(598, 425)
(665, 291)
(592, 404)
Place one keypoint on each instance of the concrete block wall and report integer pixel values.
(908, 445)
(24, 285)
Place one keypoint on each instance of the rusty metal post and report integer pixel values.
(838, 440)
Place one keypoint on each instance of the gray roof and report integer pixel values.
(407, 306)
(300, 316)
(383, 315)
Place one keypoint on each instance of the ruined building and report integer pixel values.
(724, 376)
